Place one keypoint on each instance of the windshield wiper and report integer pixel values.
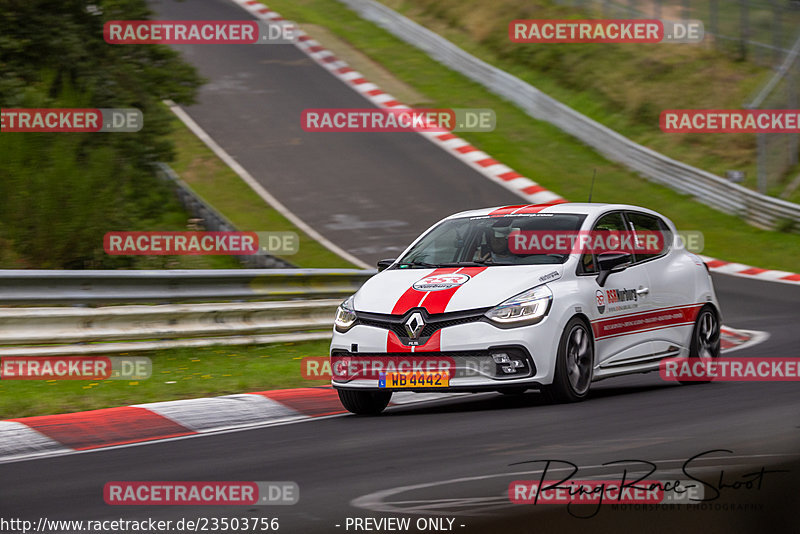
(474, 263)
(418, 264)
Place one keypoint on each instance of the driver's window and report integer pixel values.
(607, 223)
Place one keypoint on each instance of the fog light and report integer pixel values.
(501, 357)
(508, 370)
(517, 364)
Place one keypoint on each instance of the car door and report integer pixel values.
(619, 308)
(670, 289)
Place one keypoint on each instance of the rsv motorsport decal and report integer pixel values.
(650, 320)
(615, 299)
(440, 282)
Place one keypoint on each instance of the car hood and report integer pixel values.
(442, 290)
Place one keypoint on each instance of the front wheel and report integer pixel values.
(364, 402)
(574, 362)
(705, 344)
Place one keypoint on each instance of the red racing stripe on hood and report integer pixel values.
(412, 297)
(437, 301)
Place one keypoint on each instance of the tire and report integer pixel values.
(705, 342)
(364, 402)
(574, 364)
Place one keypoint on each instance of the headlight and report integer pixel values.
(345, 315)
(529, 307)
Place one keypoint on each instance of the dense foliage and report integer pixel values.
(61, 192)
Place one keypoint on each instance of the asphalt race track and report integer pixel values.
(460, 450)
(369, 193)
(453, 458)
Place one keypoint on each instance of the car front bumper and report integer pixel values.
(468, 351)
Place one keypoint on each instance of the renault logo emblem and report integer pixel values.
(414, 325)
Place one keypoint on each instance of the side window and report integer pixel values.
(651, 231)
(607, 223)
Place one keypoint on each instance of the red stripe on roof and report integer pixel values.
(505, 210)
(534, 208)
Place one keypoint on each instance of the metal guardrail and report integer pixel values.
(757, 209)
(92, 288)
(241, 308)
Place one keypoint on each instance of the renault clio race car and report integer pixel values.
(465, 308)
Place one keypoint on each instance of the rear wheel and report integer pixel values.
(574, 362)
(705, 344)
(364, 402)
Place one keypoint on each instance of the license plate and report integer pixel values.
(423, 379)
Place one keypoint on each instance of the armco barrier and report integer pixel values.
(759, 210)
(67, 330)
(91, 288)
(242, 307)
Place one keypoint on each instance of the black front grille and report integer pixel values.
(433, 322)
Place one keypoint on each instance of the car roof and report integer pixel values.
(583, 208)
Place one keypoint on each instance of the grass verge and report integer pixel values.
(539, 150)
(177, 374)
(216, 183)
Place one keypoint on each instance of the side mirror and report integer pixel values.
(385, 264)
(608, 261)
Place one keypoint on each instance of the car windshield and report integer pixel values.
(485, 241)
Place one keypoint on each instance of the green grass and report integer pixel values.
(216, 183)
(542, 152)
(176, 374)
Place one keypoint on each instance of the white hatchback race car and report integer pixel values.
(478, 302)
